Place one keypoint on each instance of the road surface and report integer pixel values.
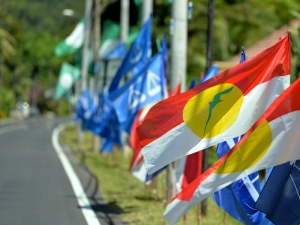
(35, 183)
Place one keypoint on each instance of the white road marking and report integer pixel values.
(83, 201)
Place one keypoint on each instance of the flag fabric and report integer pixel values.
(280, 198)
(112, 49)
(140, 90)
(192, 84)
(118, 52)
(273, 140)
(137, 167)
(139, 52)
(242, 193)
(238, 199)
(248, 89)
(73, 42)
(243, 56)
(188, 167)
(68, 75)
(213, 71)
(82, 104)
(107, 125)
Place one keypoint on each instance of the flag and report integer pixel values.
(213, 71)
(112, 49)
(140, 90)
(188, 167)
(73, 42)
(274, 139)
(192, 84)
(118, 52)
(67, 76)
(82, 104)
(137, 167)
(138, 52)
(106, 125)
(238, 199)
(226, 106)
(280, 198)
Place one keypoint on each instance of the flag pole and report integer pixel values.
(85, 49)
(84, 61)
(124, 22)
(178, 68)
(147, 9)
(97, 40)
(209, 51)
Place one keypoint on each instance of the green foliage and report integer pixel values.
(29, 33)
(7, 101)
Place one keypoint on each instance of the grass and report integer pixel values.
(135, 202)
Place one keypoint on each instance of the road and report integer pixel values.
(35, 186)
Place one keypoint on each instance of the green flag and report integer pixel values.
(73, 42)
(67, 77)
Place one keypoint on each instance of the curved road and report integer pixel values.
(35, 188)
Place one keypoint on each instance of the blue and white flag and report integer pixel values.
(238, 199)
(145, 88)
(138, 53)
(118, 52)
(213, 71)
(192, 84)
(82, 104)
(280, 198)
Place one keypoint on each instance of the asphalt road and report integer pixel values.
(35, 188)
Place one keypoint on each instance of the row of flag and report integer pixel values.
(254, 109)
(249, 112)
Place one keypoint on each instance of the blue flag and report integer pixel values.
(82, 104)
(213, 71)
(280, 198)
(192, 84)
(139, 52)
(104, 123)
(145, 88)
(243, 192)
(118, 52)
(243, 56)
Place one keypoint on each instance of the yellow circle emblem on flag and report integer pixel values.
(249, 152)
(214, 110)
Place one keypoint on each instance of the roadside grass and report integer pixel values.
(135, 202)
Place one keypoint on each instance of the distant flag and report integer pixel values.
(192, 84)
(107, 145)
(139, 52)
(243, 56)
(176, 90)
(107, 125)
(118, 52)
(248, 88)
(82, 104)
(73, 42)
(274, 139)
(145, 88)
(68, 75)
(112, 49)
(243, 192)
(280, 198)
(137, 167)
(213, 71)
